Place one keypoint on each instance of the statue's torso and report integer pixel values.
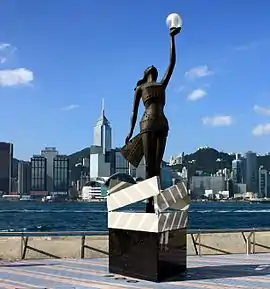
(153, 97)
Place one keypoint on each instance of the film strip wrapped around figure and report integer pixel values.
(171, 206)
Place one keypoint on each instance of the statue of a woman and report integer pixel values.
(151, 140)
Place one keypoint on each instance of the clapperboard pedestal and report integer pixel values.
(144, 245)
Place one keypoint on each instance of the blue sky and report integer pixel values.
(58, 59)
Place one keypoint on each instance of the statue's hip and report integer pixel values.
(155, 123)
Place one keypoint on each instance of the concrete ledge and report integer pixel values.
(199, 243)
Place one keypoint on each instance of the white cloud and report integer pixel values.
(70, 107)
(6, 52)
(261, 129)
(261, 110)
(198, 72)
(4, 46)
(247, 46)
(218, 120)
(11, 77)
(196, 94)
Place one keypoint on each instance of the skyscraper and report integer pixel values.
(263, 180)
(251, 172)
(61, 176)
(49, 153)
(38, 173)
(6, 159)
(24, 178)
(237, 170)
(103, 132)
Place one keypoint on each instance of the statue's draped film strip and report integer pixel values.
(171, 206)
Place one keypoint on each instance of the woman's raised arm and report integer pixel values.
(167, 76)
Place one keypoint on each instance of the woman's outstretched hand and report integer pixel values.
(174, 31)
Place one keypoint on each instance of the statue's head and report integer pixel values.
(150, 74)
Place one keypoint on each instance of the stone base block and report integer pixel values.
(147, 255)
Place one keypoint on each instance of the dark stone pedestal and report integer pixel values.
(140, 255)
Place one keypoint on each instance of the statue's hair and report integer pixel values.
(149, 70)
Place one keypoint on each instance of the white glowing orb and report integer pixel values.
(174, 21)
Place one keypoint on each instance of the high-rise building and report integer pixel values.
(237, 170)
(49, 153)
(38, 174)
(6, 159)
(61, 176)
(103, 132)
(251, 172)
(100, 165)
(263, 180)
(118, 163)
(24, 178)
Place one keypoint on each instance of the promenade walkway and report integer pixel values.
(211, 272)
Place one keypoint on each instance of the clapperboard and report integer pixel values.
(171, 206)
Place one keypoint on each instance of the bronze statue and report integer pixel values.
(151, 140)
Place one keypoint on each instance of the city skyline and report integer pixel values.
(53, 70)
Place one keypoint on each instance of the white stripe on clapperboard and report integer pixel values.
(174, 217)
(137, 188)
(117, 220)
(129, 220)
(170, 191)
(152, 187)
(142, 220)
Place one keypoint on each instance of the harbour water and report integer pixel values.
(34, 216)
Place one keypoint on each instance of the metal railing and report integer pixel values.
(248, 236)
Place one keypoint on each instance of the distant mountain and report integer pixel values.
(206, 159)
(78, 156)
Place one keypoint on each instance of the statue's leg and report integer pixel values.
(149, 140)
(161, 144)
(149, 148)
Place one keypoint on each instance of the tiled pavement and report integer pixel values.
(211, 272)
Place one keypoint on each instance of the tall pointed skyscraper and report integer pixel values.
(103, 131)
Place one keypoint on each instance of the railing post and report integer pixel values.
(82, 246)
(254, 242)
(199, 238)
(21, 244)
(25, 243)
(248, 245)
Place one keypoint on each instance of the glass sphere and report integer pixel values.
(174, 21)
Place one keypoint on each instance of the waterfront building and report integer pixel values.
(251, 172)
(201, 183)
(238, 170)
(49, 153)
(38, 173)
(263, 183)
(100, 152)
(118, 163)
(103, 132)
(105, 161)
(100, 164)
(176, 160)
(166, 177)
(139, 172)
(6, 159)
(24, 178)
(239, 189)
(38, 177)
(60, 176)
(92, 190)
(85, 162)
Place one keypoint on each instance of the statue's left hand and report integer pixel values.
(175, 31)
